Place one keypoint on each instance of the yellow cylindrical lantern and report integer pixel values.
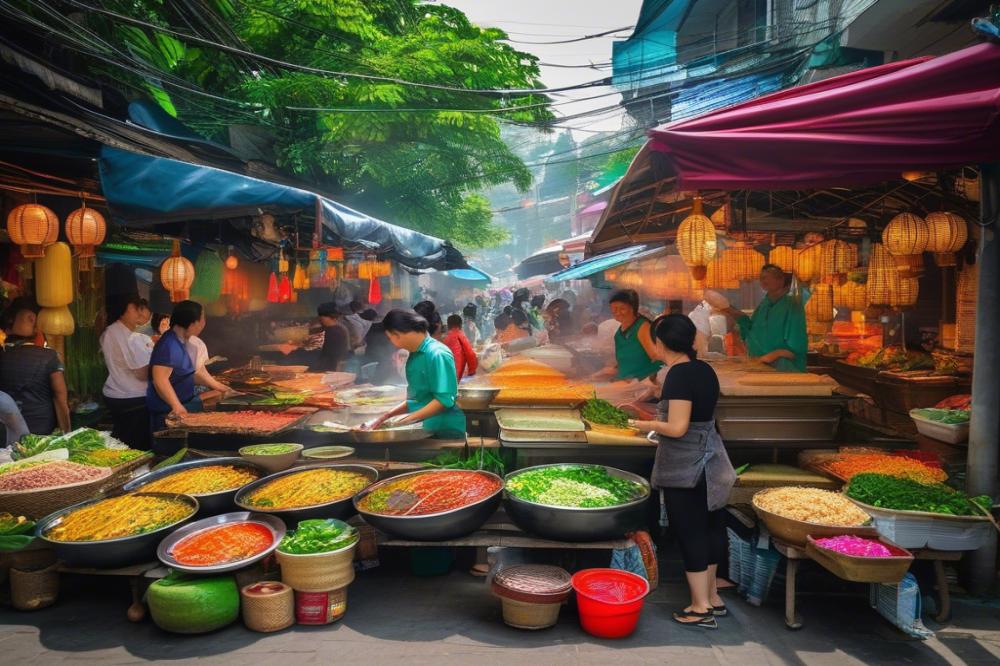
(807, 263)
(819, 307)
(56, 321)
(947, 235)
(882, 275)
(850, 296)
(696, 242)
(34, 227)
(54, 276)
(837, 257)
(85, 229)
(177, 274)
(905, 237)
(783, 257)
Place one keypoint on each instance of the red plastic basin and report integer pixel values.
(609, 601)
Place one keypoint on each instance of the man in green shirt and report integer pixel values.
(776, 332)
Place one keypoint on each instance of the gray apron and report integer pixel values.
(680, 461)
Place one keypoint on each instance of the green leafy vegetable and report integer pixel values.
(321, 535)
(172, 460)
(573, 486)
(890, 492)
(946, 416)
(603, 412)
(491, 461)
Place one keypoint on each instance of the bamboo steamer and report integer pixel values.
(319, 572)
(268, 606)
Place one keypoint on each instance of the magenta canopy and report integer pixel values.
(863, 127)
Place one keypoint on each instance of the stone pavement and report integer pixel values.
(393, 617)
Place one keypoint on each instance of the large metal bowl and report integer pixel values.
(109, 553)
(475, 398)
(210, 503)
(341, 508)
(390, 435)
(273, 523)
(433, 526)
(563, 523)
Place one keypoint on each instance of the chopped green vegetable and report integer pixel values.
(742, 468)
(491, 461)
(902, 494)
(603, 412)
(321, 535)
(946, 416)
(11, 525)
(573, 486)
(267, 449)
(172, 460)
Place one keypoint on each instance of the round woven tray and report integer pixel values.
(533, 584)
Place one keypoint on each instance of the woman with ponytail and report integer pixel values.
(692, 470)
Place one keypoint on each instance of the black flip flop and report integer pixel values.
(705, 620)
(720, 610)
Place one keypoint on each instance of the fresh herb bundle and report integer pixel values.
(603, 412)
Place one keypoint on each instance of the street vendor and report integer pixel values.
(432, 382)
(776, 332)
(126, 354)
(172, 372)
(635, 355)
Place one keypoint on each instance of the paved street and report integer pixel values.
(393, 616)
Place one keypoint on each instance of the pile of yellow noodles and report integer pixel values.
(118, 517)
(306, 488)
(203, 480)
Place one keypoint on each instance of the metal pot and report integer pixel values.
(341, 508)
(109, 553)
(390, 435)
(210, 503)
(276, 526)
(434, 526)
(563, 523)
(475, 398)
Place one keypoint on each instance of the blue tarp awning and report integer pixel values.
(603, 262)
(471, 274)
(142, 190)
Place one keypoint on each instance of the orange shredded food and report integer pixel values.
(877, 463)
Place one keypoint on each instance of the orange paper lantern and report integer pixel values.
(177, 275)
(807, 263)
(33, 227)
(85, 229)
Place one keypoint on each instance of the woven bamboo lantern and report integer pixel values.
(783, 257)
(33, 227)
(807, 263)
(948, 234)
(741, 262)
(882, 275)
(819, 307)
(696, 242)
(716, 278)
(177, 274)
(668, 278)
(906, 237)
(850, 296)
(630, 279)
(85, 229)
(904, 292)
(837, 258)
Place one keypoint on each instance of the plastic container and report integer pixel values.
(943, 432)
(320, 607)
(609, 601)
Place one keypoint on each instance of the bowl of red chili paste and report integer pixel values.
(431, 505)
(222, 543)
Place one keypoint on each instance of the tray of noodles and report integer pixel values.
(431, 505)
(316, 491)
(792, 513)
(255, 423)
(212, 481)
(115, 531)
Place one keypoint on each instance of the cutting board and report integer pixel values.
(776, 384)
(606, 439)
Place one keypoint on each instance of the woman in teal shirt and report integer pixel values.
(432, 383)
(634, 351)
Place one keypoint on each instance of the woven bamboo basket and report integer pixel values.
(40, 503)
(34, 590)
(319, 572)
(863, 569)
(270, 609)
(965, 309)
(521, 615)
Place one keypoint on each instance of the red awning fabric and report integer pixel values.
(863, 127)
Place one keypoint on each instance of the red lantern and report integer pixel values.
(273, 295)
(285, 289)
(375, 291)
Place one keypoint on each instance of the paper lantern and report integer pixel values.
(819, 307)
(741, 262)
(882, 275)
(630, 279)
(716, 278)
(807, 263)
(285, 292)
(207, 285)
(906, 238)
(696, 242)
(850, 296)
(33, 227)
(177, 275)
(232, 261)
(85, 229)
(668, 278)
(54, 276)
(375, 291)
(273, 295)
(947, 235)
(56, 321)
(299, 279)
(837, 258)
(783, 257)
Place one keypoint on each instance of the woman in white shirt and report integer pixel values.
(126, 353)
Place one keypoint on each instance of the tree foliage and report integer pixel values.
(412, 155)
